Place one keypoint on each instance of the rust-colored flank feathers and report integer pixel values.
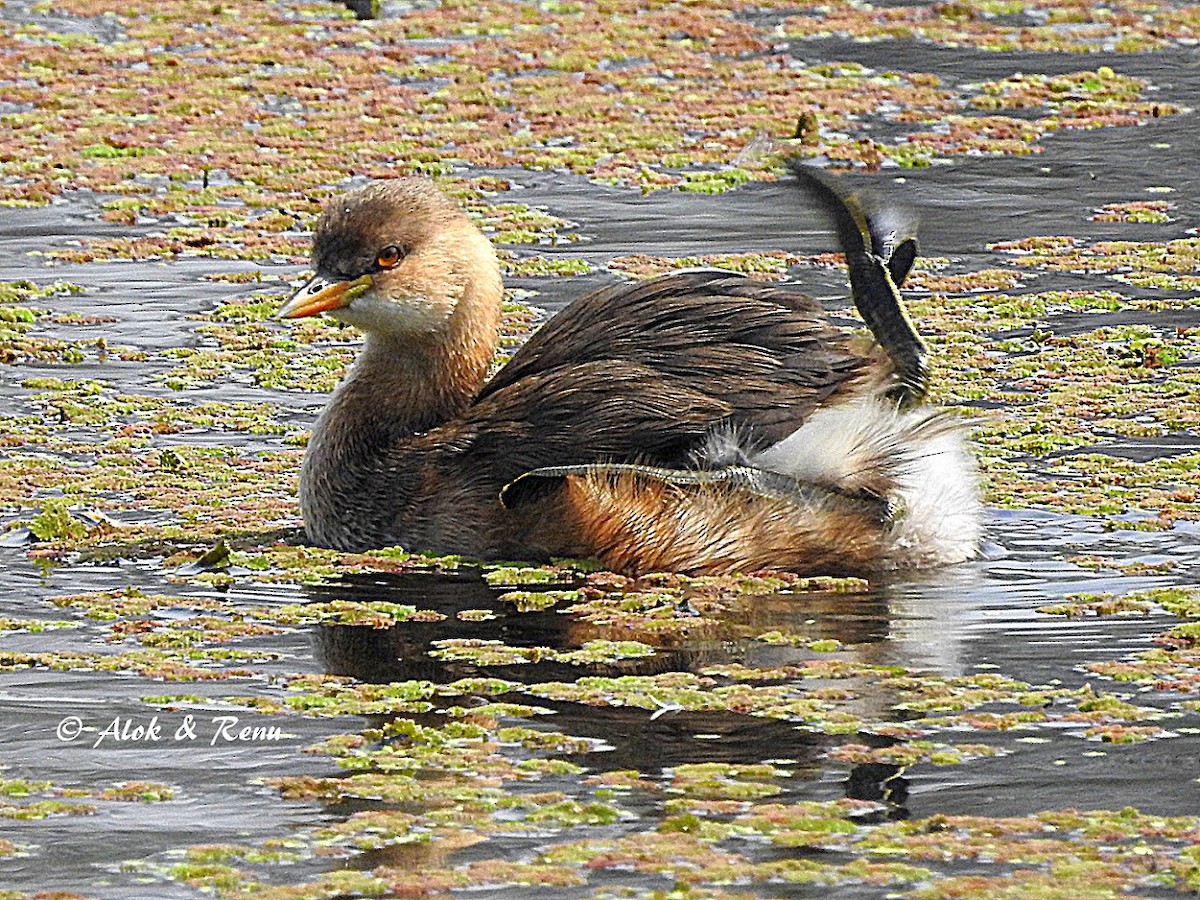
(697, 422)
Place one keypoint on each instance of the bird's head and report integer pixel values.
(394, 258)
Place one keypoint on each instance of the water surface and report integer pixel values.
(982, 617)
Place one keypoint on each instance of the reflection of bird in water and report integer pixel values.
(696, 422)
(653, 733)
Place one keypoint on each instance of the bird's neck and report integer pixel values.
(407, 384)
(360, 470)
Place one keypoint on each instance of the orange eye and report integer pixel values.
(388, 257)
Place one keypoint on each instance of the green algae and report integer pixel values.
(374, 614)
(452, 756)
(519, 575)
(784, 639)
(34, 626)
(175, 623)
(722, 781)
(1098, 605)
(21, 344)
(543, 267)
(32, 801)
(495, 653)
(1139, 211)
(409, 761)
(771, 265)
(536, 601)
(536, 74)
(1091, 386)
(999, 27)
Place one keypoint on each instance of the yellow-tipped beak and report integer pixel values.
(321, 295)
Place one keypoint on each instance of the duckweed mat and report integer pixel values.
(194, 703)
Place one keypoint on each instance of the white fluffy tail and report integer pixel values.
(917, 459)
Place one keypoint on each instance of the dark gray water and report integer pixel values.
(979, 617)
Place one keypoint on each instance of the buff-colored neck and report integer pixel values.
(404, 384)
(354, 471)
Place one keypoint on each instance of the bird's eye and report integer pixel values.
(388, 257)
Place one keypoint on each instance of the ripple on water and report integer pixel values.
(977, 619)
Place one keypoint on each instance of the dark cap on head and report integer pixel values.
(355, 226)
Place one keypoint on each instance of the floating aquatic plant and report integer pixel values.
(216, 137)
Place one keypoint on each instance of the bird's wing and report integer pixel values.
(648, 371)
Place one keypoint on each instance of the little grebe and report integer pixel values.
(697, 422)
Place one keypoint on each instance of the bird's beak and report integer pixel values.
(321, 295)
